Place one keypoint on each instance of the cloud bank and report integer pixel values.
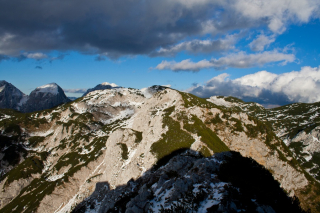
(125, 27)
(265, 87)
(236, 60)
(75, 90)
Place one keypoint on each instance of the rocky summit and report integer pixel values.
(151, 150)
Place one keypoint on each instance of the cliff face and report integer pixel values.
(116, 135)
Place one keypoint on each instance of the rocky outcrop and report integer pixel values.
(225, 182)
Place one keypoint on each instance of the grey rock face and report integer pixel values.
(10, 96)
(45, 97)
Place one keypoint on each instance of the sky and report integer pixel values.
(265, 51)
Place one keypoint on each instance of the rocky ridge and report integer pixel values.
(116, 135)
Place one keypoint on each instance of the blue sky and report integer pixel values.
(203, 47)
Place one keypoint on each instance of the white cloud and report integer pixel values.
(237, 60)
(75, 90)
(140, 28)
(266, 87)
(261, 42)
(185, 65)
(36, 56)
(277, 13)
(199, 46)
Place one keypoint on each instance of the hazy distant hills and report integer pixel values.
(158, 149)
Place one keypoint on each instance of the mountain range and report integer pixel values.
(43, 97)
(159, 150)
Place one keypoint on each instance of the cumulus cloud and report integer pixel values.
(277, 13)
(125, 27)
(265, 87)
(261, 42)
(237, 60)
(75, 90)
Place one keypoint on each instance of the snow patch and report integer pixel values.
(110, 84)
(55, 177)
(2, 88)
(42, 134)
(48, 88)
(219, 101)
(23, 100)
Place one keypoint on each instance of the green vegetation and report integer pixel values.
(192, 100)
(138, 136)
(29, 197)
(124, 150)
(205, 151)
(216, 119)
(12, 129)
(232, 99)
(75, 124)
(207, 135)
(35, 140)
(237, 127)
(173, 139)
(29, 166)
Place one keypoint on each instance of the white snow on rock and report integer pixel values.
(2, 88)
(148, 92)
(23, 100)
(110, 84)
(219, 101)
(55, 177)
(48, 88)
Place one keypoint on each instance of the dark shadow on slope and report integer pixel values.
(255, 182)
(226, 182)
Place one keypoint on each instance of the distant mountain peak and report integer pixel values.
(43, 97)
(110, 84)
(52, 88)
(102, 86)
